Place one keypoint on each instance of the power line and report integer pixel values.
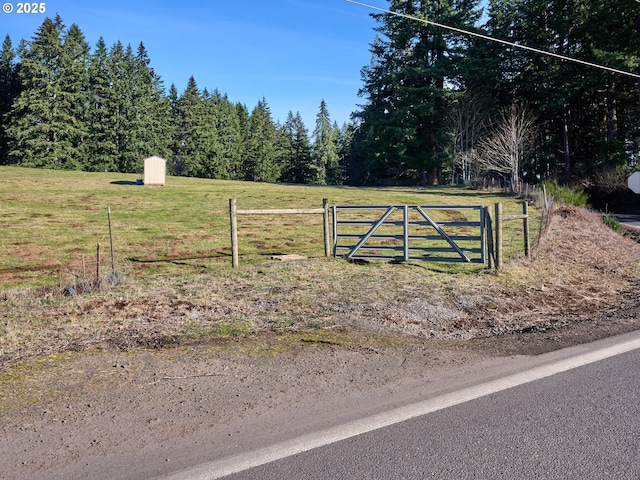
(497, 40)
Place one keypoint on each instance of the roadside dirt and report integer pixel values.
(107, 413)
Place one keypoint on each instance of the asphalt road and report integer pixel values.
(580, 424)
(570, 414)
(629, 219)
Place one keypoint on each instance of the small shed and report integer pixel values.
(155, 171)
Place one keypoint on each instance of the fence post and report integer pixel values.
(525, 225)
(405, 233)
(325, 226)
(498, 245)
(98, 264)
(488, 233)
(334, 224)
(234, 232)
(113, 258)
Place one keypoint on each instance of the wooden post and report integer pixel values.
(98, 264)
(325, 226)
(498, 245)
(525, 226)
(233, 213)
(113, 259)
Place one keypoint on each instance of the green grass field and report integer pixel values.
(52, 221)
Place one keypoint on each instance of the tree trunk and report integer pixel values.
(612, 120)
(565, 141)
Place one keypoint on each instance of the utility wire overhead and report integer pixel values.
(497, 40)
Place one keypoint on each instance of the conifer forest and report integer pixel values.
(438, 105)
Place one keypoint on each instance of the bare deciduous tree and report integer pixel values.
(504, 150)
(468, 120)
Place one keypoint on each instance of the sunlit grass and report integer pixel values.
(51, 220)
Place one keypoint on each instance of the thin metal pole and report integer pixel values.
(525, 226)
(405, 233)
(98, 263)
(371, 231)
(497, 40)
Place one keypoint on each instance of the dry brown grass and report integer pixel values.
(578, 269)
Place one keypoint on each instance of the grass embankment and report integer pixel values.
(172, 243)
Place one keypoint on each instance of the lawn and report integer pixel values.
(51, 222)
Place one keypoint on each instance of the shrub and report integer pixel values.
(566, 195)
(611, 222)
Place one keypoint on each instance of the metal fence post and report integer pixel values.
(525, 226)
(489, 236)
(498, 245)
(405, 234)
(334, 220)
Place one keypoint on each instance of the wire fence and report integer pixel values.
(539, 219)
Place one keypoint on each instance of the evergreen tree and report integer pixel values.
(63, 106)
(262, 161)
(229, 136)
(285, 138)
(189, 156)
(215, 165)
(343, 140)
(119, 106)
(612, 30)
(152, 112)
(581, 133)
(9, 91)
(173, 98)
(297, 164)
(401, 131)
(100, 147)
(46, 123)
(136, 107)
(74, 80)
(325, 155)
(244, 121)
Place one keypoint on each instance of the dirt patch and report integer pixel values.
(94, 413)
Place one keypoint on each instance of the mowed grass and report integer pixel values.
(51, 222)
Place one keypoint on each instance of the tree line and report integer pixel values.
(439, 104)
(66, 106)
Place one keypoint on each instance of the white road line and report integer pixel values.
(245, 461)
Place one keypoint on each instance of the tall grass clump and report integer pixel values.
(611, 222)
(566, 195)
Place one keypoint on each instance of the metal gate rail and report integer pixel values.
(410, 232)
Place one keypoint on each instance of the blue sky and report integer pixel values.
(294, 53)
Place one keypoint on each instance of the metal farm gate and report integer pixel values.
(411, 232)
